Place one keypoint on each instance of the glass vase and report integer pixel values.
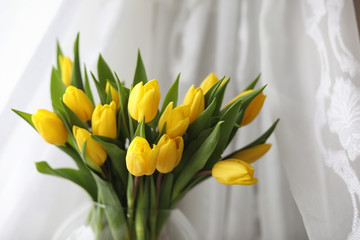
(92, 223)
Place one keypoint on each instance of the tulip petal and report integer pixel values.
(250, 155)
(50, 127)
(234, 171)
(208, 82)
(78, 102)
(135, 95)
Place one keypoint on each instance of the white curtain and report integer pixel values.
(308, 54)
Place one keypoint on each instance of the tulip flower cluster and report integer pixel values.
(131, 153)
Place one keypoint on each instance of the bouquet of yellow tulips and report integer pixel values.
(132, 155)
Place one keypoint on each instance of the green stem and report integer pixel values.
(131, 126)
(140, 218)
(99, 222)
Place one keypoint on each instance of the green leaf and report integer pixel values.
(197, 161)
(100, 90)
(116, 154)
(25, 116)
(153, 123)
(172, 95)
(140, 130)
(237, 125)
(165, 191)
(253, 83)
(162, 132)
(58, 54)
(74, 155)
(262, 139)
(76, 78)
(123, 97)
(87, 87)
(202, 122)
(140, 73)
(219, 95)
(151, 134)
(114, 211)
(72, 118)
(104, 72)
(189, 149)
(57, 89)
(210, 93)
(76, 176)
(229, 119)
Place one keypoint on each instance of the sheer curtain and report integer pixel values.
(308, 54)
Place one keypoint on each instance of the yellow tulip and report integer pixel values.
(196, 100)
(93, 149)
(170, 152)
(50, 127)
(208, 82)
(234, 172)
(66, 69)
(177, 120)
(114, 94)
(144, 101)
(140, 158)
(250, 155)
(253, 108)
(104, 120)
(79, 103)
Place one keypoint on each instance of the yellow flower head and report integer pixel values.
(144, 101)
(208, 82)
(50, 127)
(93, 149)
(253, 108)
(114, 94)
(140, 158)
(177, 119)
(170, 152)
(78, 102)
(104, 120)
(234, 172)
(196, 100)
(66, 66)
(250, 155)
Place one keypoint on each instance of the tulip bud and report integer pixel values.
(66, 69)
(208, 82)
(50, 127)
(250, 155)
(104, 120)
(93, 149)
(114, 94)
(144, 101)
(196, 100)
(140, 158)
(170, 152)
(234, 171)
(79, 103)
(253, 108)
(177, 120)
